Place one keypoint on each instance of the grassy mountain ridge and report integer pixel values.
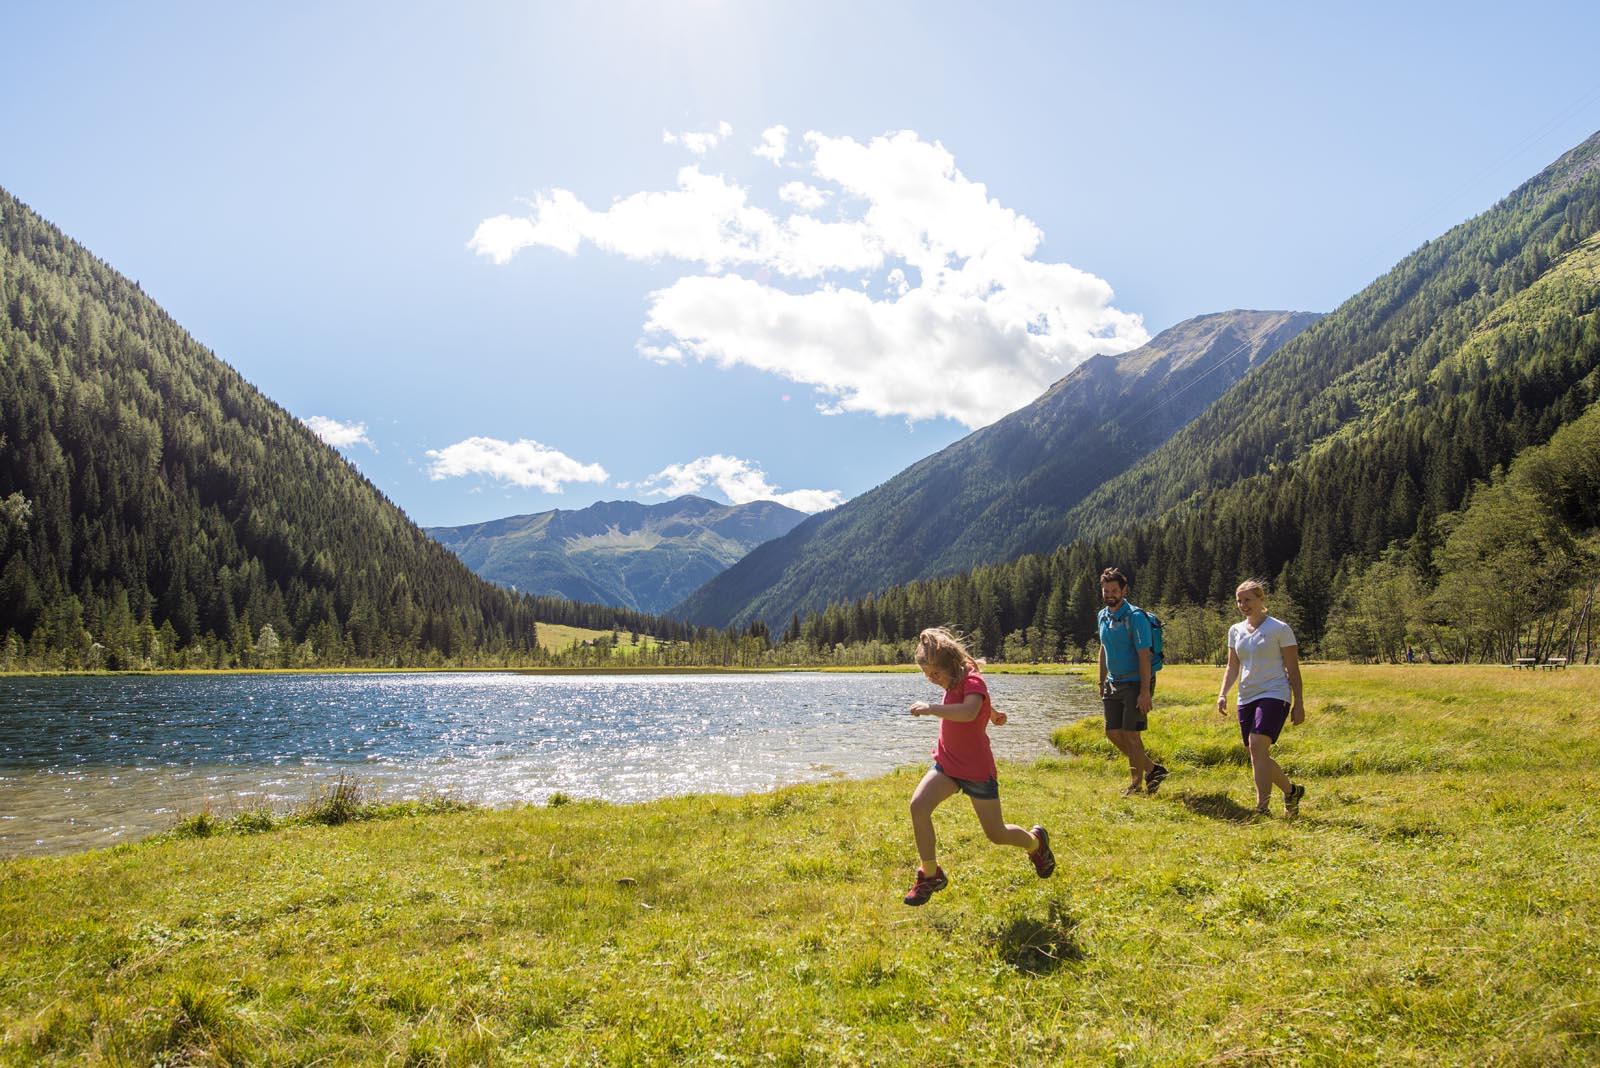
(157, 501)
(639, 556)
(998, 492)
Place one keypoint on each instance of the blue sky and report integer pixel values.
(514, 257)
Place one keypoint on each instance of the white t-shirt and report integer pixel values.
(1260, 653)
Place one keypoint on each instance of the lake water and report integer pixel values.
(88, 762)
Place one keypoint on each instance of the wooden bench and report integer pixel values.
(1524, 662)
(1555, 662)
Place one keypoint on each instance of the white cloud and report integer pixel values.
(803, 196)
(340, 435)
(774, 144)
(522, 463)
(964, 322)
(698, 143)
(706, 220)
(741, 481)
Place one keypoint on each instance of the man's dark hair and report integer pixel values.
(1114, 574)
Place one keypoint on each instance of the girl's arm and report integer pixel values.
(967, 711)
(1291, 668)
(1228, 679)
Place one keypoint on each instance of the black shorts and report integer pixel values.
(1121, 701)
(988, 790)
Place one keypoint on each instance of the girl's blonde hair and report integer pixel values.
(941, 650)
(1252, 584)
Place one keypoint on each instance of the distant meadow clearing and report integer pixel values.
(1434, 904)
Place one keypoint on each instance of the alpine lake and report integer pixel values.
(91, 761)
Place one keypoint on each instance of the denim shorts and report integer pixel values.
(988, 790)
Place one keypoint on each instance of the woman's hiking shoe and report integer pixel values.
(1044, 861)
(1132, 789)
(1291, 800)
(926, 886)
(1154, 778)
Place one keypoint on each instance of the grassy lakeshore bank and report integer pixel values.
(1436, 903)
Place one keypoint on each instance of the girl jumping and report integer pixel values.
(962, 762)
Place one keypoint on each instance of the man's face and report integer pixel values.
(1111, 593)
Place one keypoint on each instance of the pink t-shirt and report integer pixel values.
(963, 748)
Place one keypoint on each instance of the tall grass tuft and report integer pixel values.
(343, 803)
(202, 824)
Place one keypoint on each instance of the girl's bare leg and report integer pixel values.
(934, 789)
(999, 831)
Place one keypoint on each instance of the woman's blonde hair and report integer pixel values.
(1252, 584)
(941, 650)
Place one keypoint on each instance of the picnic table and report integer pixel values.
(1555, 662)
(1524, 662)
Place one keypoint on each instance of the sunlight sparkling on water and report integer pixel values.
(87, 762)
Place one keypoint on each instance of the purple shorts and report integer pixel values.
(1264, 715)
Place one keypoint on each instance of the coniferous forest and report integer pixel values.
(158, 511)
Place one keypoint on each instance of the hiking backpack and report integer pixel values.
(1156, 660)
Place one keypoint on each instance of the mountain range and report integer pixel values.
(1005, 489)
(157, 510)
(1353, 467)
(645, 557)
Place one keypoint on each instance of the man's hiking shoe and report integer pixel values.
(1154, 778)
(1291, 800)
(926, 886)
(1044, 861)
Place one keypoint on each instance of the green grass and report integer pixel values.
(1435, 904)
(557, 637)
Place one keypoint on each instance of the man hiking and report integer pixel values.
(1127, 679)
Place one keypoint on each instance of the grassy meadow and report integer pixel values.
(558, 637)
(1435, 904)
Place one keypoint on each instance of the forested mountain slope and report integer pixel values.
(1356, 445)
(1370, 426)
(157, 509)
(641, 556)
(1001, 490)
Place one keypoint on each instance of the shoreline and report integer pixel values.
(870, 669)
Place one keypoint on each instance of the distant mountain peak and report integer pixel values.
(625, 553)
